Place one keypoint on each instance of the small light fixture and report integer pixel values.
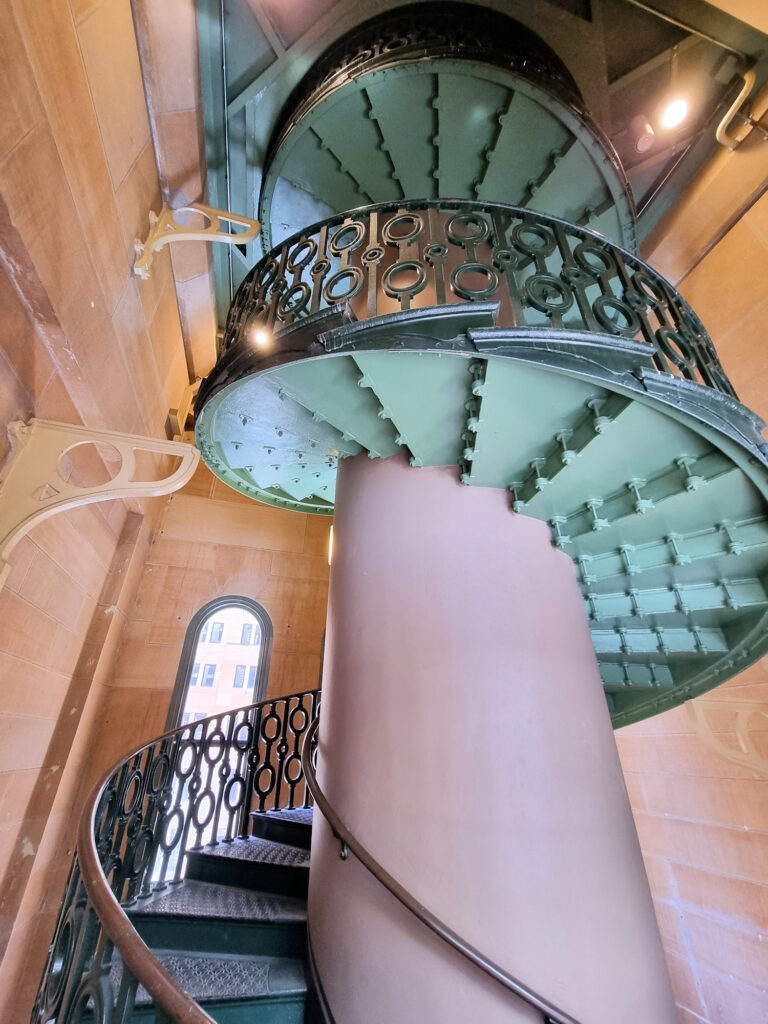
(674, 113)
(260, 336)
(330, 545)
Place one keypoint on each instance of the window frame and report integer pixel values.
(189, 649)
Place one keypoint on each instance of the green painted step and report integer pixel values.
(412, 105)
(253, 864)
(205, 917)
(232, 989)
(291, 827)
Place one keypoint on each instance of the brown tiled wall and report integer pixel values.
(212, 542)
(702, 819)
(82, 341)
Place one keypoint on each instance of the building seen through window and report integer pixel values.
(225, 664)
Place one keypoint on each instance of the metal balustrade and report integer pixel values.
(192, 788)
(543, 273)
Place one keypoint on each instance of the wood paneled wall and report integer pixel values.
(703, 820)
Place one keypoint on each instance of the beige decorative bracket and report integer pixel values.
(742, 712)
(33, 487)
(166, 227)
(178, 417)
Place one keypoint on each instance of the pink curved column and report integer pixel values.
(466, 741)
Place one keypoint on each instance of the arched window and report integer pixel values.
(224, 662)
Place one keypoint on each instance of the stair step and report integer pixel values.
(205, 917)
(291, 827)
(253, 864)
(233, 989)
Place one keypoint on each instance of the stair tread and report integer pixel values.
(301, 815)
(223, 977)
(259, 851)
(211, 901)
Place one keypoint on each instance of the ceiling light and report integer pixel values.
(642, 133)
(674, 113)
(260, 337)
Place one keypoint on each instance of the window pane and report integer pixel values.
(204, 632)
(251, 676)
(209, 673)
(217, 628)
(245, 634)
(239, 676)
(195, 673)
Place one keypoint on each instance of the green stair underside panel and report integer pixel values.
(664, 516)
(442, 127)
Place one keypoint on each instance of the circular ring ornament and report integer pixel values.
(301, 255)
(235, 784)
(505, 259)
(435, 253)
(142, 852)
(651, 290)
(188, 753)
(413, 224)
(373, 256)
(61, 961)
(548, 294)
(91, 1001)
(267, 771)
(202, 818)
(270, 727)
(321, 268)
(675, 347)
(594, 260)
(268, 273)
(478, 226)
(610, 311)
(575, 276)
(295, 300)
(465, 291)
(159, 774)
(298, 720)
(293, 770)
(242, 736)
(533, 239)
(174, 819)
(355, 277)
(214, 748)
(347, 238)
(395, 291)
(131, 796)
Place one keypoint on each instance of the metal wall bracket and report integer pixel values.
(166, 227)
(33, 487)
(747, 755)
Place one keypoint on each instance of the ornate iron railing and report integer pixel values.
(192, 788)
(542, 272)
(350, 844)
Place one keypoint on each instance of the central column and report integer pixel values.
(466, 741)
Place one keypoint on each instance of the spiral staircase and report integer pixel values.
(468, 296)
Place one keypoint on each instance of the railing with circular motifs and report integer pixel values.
(542, 273)
(194, 787)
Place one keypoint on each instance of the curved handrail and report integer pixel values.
(553, 1015)
(124, 833)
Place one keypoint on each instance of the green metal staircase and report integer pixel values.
(537, 358)
(233, 932)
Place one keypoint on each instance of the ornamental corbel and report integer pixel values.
(33, 486)
(166, 227)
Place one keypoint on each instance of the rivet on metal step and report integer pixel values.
(642, 505)
(592, 506)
